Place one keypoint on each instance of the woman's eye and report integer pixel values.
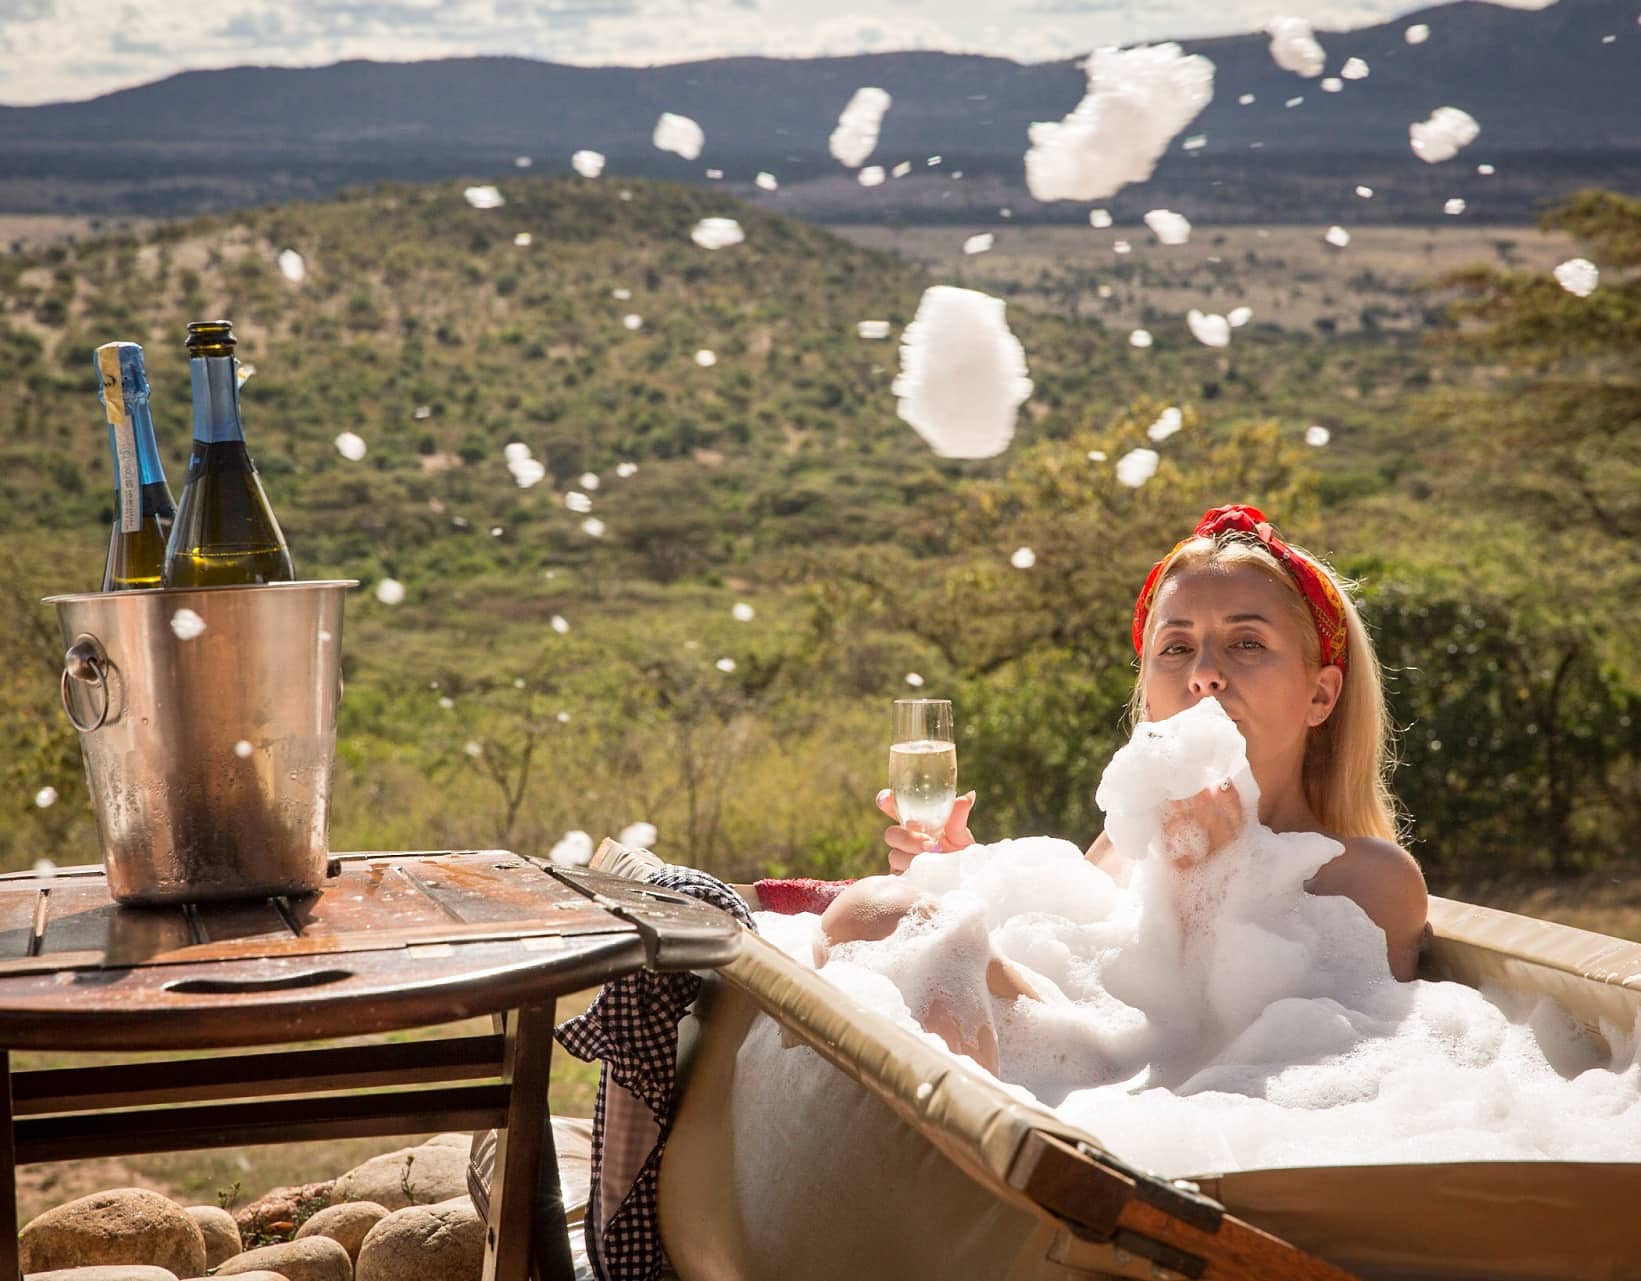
(1178, 647)
(1248, 643)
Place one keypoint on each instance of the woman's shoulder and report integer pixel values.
(1380, 875)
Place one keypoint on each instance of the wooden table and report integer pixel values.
(391, 941)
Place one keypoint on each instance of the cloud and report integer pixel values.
(51, 50)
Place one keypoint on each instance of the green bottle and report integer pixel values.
(225, 532)
(143, 510)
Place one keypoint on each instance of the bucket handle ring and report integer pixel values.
(86, 662)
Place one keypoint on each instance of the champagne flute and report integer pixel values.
(923, 764)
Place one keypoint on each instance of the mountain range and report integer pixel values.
(1557, 92)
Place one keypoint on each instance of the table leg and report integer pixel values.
(10, 1265)
(526, 1235)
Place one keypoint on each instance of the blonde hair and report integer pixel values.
(1349, 757)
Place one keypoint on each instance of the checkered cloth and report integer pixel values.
(633, 1027)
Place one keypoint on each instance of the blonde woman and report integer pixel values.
(1234, 613)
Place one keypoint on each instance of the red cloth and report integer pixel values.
(793, 895)
(1327, 609)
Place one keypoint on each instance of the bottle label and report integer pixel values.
(124, 432)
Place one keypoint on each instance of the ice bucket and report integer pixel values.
(207, 718)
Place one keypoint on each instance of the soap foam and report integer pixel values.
(1219, 1017)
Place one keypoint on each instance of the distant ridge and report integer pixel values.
(1558, 108)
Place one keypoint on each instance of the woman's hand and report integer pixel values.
(907, 843)
(1198, 827)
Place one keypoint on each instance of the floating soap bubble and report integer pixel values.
(292, 266)
(1196, 142)
(706, 358)
(522, 240)
(639, 835)
(515, 450)
(1354, 69)
(855, 136)
(1366, 193)
(573, 849)
(593, 527)
(1294, 47)
(1316, 436)
(1121, 247)
(766, 182)
(871, 176)
(1443, 135)
(632, 321)
(901, 170)
(742, 612)
(1140, 338)
(577, 501)
(1294, 101)
(522, 162)
(715, 175)
(1209, 328)
(559, 624)
(872, 329)
(1332, 84)
(1578, 276)
(528, 472)
(563, 718)
(1137, 466)
(678, 134)
(390, 591)
(914, 680)
(725, 665)
(717, 233)
(1137, 101)
(1454, 207)
(1096, 455)
(624, 470)
(1168, 422)
(621, 295)
(1486, 171)
(185, 624)
(589, 164)
(588, 480)
(962, 374)
(483, 197)
(1338, 237)
(421, 412)
(350, 446)
(1418, 33)
(448, 703)
(1099, 219)
(1239, 316)
(45, 798)
(1169, 227)
(979, 244)
(1246, 100)
(243, 748)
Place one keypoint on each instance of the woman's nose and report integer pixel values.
(1206, 675)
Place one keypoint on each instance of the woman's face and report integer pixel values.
(1230, 633)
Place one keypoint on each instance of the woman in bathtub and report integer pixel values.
(1232, 613)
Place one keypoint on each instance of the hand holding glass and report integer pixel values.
(923, 763)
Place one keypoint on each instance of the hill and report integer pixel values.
(1559, 108)
(543, 674)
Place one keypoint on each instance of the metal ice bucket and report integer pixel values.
(208, 750)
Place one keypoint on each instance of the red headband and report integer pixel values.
(1327, 609)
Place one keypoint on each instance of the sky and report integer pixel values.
(58, 50)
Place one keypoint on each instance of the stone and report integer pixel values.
(282, 1205)
(119, 1226)
(314, 1258)
(221, 1233)
(452, 1140)
(432, 1172)
(443, 1242)
(105, 1272)
(346, 1224)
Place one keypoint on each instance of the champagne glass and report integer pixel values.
(923, 763)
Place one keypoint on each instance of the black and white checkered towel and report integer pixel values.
(632, 1026)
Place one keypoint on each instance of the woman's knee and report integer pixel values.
(871, 909)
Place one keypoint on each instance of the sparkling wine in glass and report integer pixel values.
(923, 763)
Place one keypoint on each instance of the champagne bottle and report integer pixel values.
(143, 509)
(225, 531)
